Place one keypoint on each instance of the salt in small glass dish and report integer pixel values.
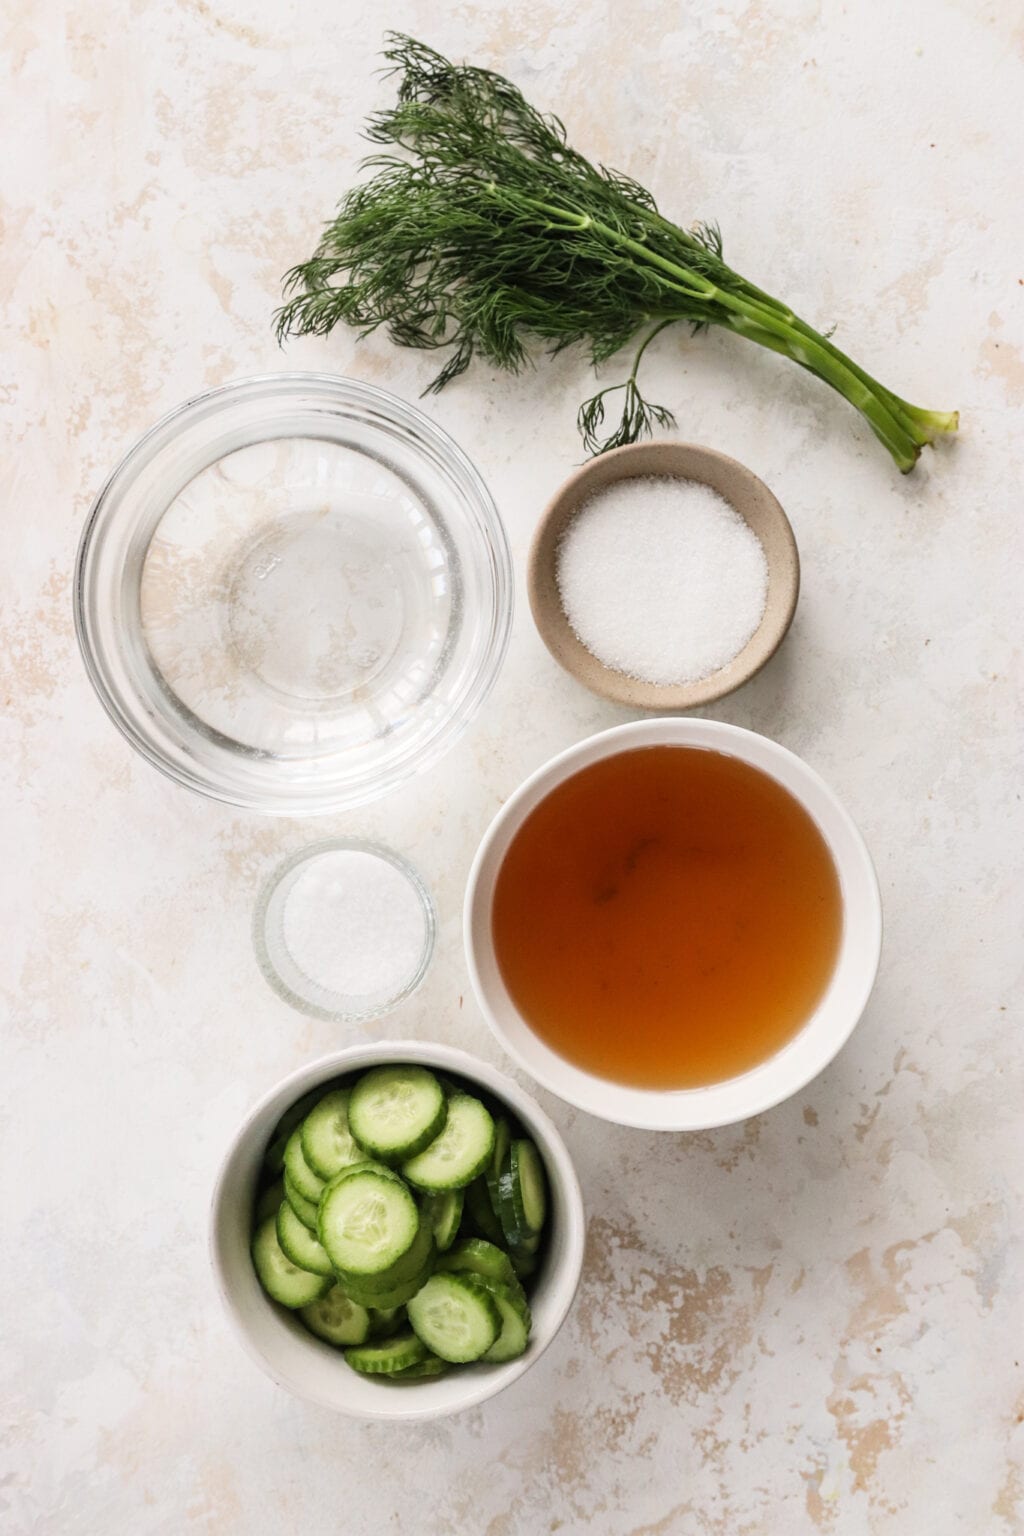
(280, 957)
(744, 492)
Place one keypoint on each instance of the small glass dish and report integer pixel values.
(344, 930)
(293, 593)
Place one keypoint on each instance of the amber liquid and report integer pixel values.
(667, 917)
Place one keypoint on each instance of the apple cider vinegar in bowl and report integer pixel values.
(667, 917)
(673, 924)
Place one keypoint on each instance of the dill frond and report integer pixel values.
(482, 231)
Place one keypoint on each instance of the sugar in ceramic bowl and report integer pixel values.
(313, 1370)
(744, 492)
(772, 1080)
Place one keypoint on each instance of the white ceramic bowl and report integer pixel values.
(313, 1370)
(781, 1075)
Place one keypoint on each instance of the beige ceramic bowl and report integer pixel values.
(313, 1370)
(752, 500)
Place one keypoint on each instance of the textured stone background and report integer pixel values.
(807, 1324)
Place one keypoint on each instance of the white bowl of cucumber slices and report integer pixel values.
(397, 1231)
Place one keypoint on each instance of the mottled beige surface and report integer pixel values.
(809, 1324)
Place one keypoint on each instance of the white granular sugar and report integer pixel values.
(354, 924)
(662, 579)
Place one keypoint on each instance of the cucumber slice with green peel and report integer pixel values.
(387, 1355)
(481, 1211)
(431, 1366)
(383, 1301)
(327, 1143)
(460, 1153)
(515, 1323)
(282, 1280)
(499, 1152)
(301, 1176)
(337, 1319)
(513, 1236)
(367, 1223)
(456, 1317)
(300, 1245)
(522, 1196)
(443, 1211)
(475, 1256)
(366, 1165)
(268, 1201)
(419, 1257)
(394, 1112)
(384, 1321)
(305, 1210)
(529, 1184)
(527, 1249)
(525, 1264)
(274, 1155)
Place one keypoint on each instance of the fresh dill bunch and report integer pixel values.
(482, 231)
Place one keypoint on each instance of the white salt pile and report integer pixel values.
(354, 924)
(661, 579)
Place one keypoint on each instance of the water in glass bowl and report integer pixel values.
(298, 597)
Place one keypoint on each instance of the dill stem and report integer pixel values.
(661, 326)
(750, 318)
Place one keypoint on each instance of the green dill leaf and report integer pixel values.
(482, 232)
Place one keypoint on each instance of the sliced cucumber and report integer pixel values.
(394, 1112)
(499, 1152)
(525, 1264)
(305, 1210)
(387, 1355)
(383, 1301)
(299, 1244)
(282, 1280)
(473, 1255)
(370, 1233)
(298, 1172)
(456, 1317)
(515, 1322)
(337, 1319)
(274, 1155)
(366, 1165)
(460, 1152)
(443, 1211)
(384, 1321)
(524, 1258)
(522, 1196)
(529, 1184)
(268, 1200)
(490, 1264)
(481, 1211)
(327, 1143)
(367, 1223)
(419, 1257)
(431, 1366)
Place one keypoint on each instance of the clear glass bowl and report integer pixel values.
(293, 593)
